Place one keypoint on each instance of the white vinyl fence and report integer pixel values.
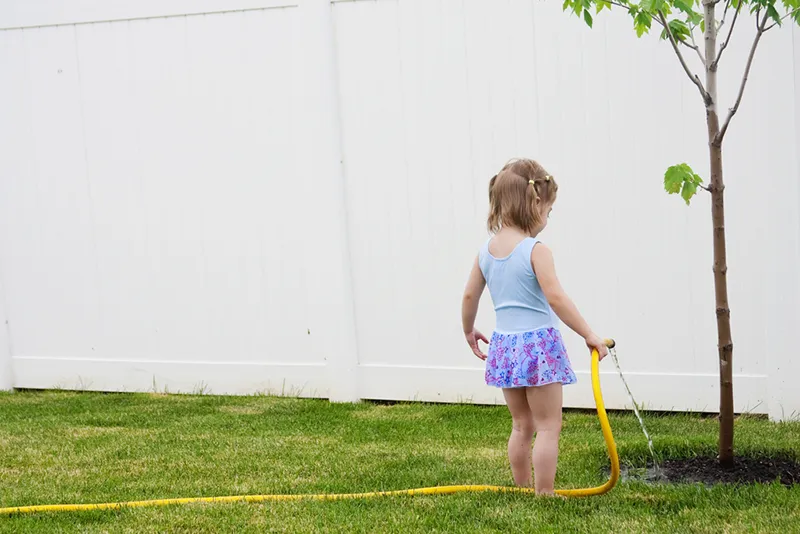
(239, 196)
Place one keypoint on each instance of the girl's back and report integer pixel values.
(519, 301)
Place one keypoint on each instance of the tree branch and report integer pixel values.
(618, 4)
(725, 14)
(786, 16)
(695, 47)
(727, 39)
(694, 77)
(731, 112)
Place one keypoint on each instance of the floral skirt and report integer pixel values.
(534, 358)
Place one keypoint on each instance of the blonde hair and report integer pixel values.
(516, 194)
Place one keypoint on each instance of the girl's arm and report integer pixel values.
(545, 270)
(469, 309)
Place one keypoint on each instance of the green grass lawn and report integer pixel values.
(62, 447)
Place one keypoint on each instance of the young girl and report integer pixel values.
(527, 358)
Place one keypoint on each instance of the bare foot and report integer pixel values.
(549, 494)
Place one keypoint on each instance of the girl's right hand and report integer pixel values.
(472, 340)
(597, 343)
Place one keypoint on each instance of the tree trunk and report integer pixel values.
(725, 343)
(717, 188)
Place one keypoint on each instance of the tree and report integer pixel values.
(679, 20)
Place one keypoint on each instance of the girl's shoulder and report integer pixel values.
(527, 245)
(483, 252)
(540, 255)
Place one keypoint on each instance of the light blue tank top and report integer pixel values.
(519, 301)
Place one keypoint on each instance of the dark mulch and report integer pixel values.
(745, 470)
(707, 470)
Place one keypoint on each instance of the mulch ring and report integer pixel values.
(707, 470)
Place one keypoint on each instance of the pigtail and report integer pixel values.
(533, 217)
(493, 221)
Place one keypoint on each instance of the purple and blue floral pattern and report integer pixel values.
(535, 358)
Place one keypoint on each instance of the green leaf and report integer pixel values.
(653, 6)
(773, 14)
(684, 5)
(673, 179)
(689, 190)
(576, 6)
(587, 17)
(694, 18)
(679, 30)
(682, 179)
(642, 23)
(703, 26)
(791, 7)
(601, 5)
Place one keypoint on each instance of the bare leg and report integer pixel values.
(544, 403)
(519, 444)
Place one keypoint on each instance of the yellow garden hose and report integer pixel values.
(437, 490)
